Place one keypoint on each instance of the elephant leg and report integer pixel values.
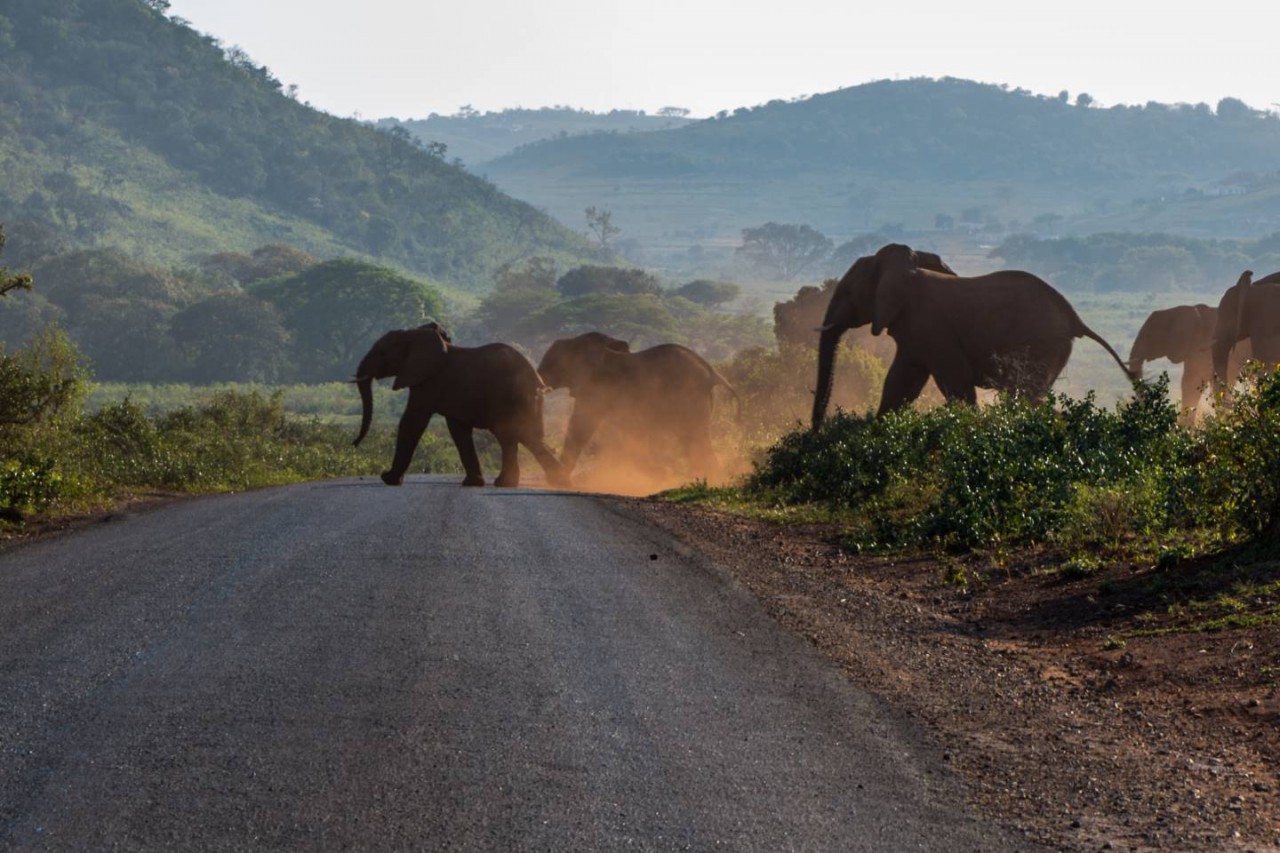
(413, 423)
(509, 478)
(958, 391)
(582, 425)
(902, 385)
(464, 440)
(1195, 377)
(550, 465)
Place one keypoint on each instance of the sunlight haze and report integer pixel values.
(394, 58)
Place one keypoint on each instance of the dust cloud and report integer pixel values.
(630, 458)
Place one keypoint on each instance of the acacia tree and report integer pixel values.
(600, 223)
(785, 250)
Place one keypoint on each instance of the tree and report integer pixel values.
(1084, 99)
(39, 381)
(640, 318)
(1234, 109)
(589, 279)
(600, 223)
(336, 309)
(522, 291)
(785, 250)
(708, 294)
(18, 281)
(232, 337)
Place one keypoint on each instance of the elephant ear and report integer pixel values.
(893, 288)
(424, 359)
(1242, 299)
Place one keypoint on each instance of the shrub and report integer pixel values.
(29, 483)
(1012, 472)
(1237, 486)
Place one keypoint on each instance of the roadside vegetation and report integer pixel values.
(57, 455)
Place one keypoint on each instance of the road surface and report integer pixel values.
(345, 665)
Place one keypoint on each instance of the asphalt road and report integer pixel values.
(344, 665)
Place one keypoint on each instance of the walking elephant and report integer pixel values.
(664, 389)
(491, 387)
(1008, 331)
(1249, 309)
(1184, 335)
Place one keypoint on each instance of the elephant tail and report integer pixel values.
(1084, 331)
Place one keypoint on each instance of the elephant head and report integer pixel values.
(412, 356)
(1174, 333)
(574, 362)
(875, 290)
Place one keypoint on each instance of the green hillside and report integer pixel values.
(123, 127)
(475, 137)
(920, 155)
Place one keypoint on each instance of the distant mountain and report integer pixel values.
(918, 155)
(476, 138)
(121, 126)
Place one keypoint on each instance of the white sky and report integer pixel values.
(407, 59)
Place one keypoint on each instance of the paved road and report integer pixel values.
(343, 665)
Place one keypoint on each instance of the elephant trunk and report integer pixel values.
(365, 385)
(828, 344)
(1139, 354)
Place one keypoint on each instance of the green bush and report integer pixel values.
(29, 483)
(1237, 482)
(1012, 472)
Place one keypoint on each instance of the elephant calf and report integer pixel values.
(1184, 335)
(490, 387)
(664, 389)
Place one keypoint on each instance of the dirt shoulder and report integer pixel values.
(43, 525)
(1082, 711)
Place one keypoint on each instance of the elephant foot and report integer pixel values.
(392, 479)
(476, 480)
(507, 482)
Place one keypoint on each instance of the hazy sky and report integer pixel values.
(407, 59)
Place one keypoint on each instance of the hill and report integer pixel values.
(919, 155)
(124, 127)
(476, 138)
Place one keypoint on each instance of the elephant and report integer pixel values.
(1249, 309)
(1009, 330)
(666, 388)
(1184, 335)
(491, 387)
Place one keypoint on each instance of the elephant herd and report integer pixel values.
(1008, 331)
(493, 387)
